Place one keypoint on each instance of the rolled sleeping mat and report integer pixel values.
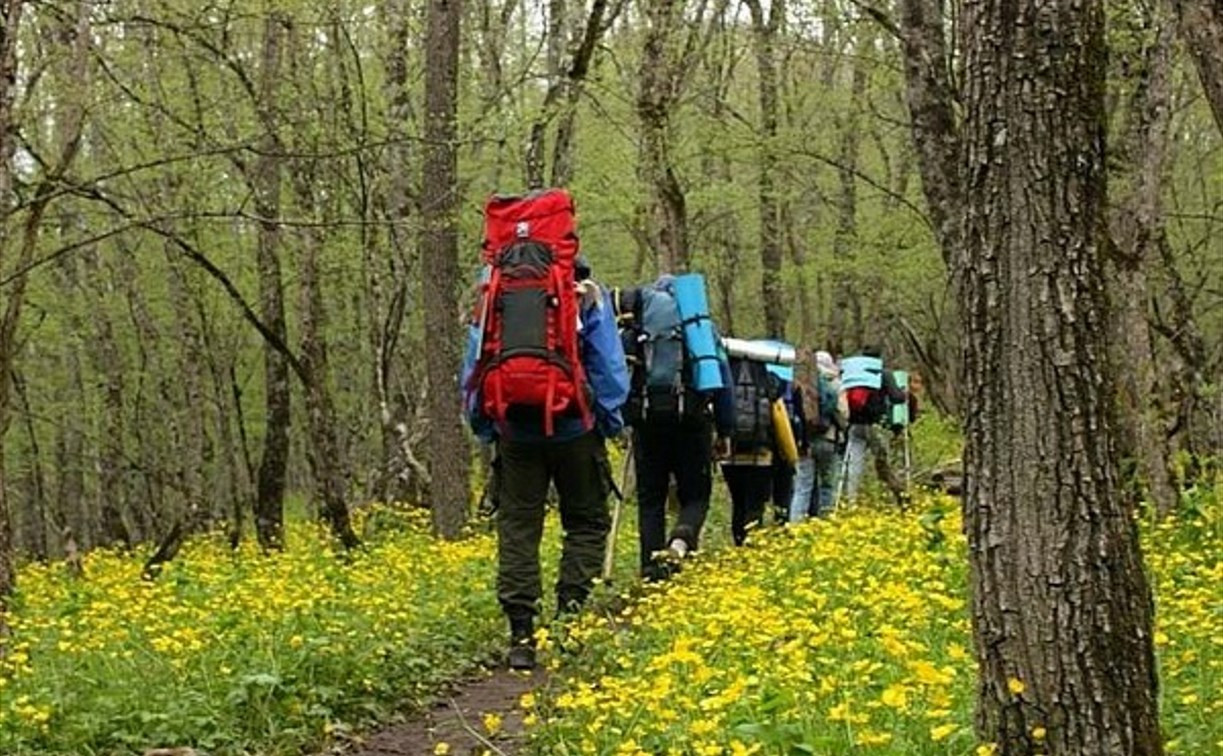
(900, 412)
(787, 446)
(693, 306)
(862, 372)
(784, 372)
(768, 352)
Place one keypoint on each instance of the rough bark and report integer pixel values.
(1201, 26)
(1061, 608)
(764, 43)
(449, 456)
(1137, 228)
(266, 183)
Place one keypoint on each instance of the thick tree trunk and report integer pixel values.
(266, 182)
(1061, 607)
(1201, 25)
(449, 456)
(764, 36)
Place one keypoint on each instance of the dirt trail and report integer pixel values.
(457, 719)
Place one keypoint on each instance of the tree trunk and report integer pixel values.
(764, 36)
(554, 46)
(449, 456)
(266, 181)
(575, 81)
(565, 81)
(931, 98)
(1137, 227)
(395, 480)
(324, 452)
(1061, 608)
(665, 214)
(192, 467)
(105, 357)
(845, 322)
(1201, 25)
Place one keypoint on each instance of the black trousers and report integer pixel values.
(783, 489)
(750, 486)
(579, 470)
(663, 450)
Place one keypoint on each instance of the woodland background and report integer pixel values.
(215, 271)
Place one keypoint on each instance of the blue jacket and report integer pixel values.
(606, 373)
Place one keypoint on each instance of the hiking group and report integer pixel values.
(557, 365)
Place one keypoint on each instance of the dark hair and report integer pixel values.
(872, 351)
(581, 268)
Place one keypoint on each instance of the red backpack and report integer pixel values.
(528, 363)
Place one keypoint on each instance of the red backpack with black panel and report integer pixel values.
(528, 365)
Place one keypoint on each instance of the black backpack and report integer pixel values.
(755, 390)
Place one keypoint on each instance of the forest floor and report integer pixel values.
(458, 723)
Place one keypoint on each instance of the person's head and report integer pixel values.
(581, 268)
(915, 383)
(826, 364)
(870, 350)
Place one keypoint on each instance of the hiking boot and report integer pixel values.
(521, 654)
(658, 570)
(683, 541)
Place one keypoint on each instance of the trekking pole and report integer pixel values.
(609, 556)
(836, 500)
(908, 459)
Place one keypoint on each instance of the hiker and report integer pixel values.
(545, 378)
(674, 415)
(748, 469)
(869, 390)
(826, 416)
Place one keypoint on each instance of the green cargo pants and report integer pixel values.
(579, 469)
